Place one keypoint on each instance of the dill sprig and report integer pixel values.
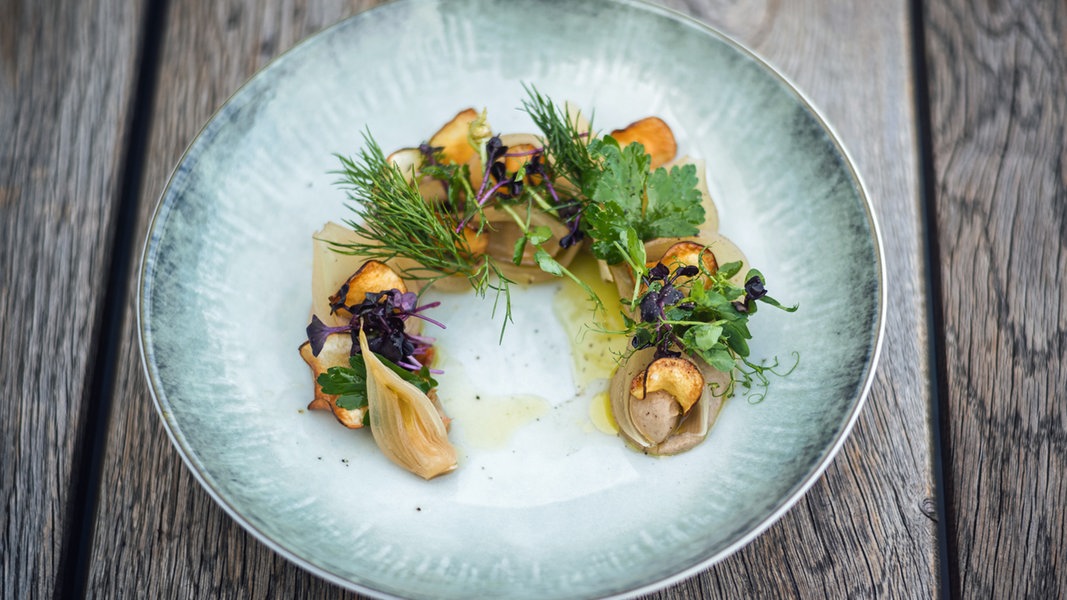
(397, 222)
(566, 147)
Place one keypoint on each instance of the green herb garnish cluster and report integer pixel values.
(349, 383)
(607, 196)
(690, 310)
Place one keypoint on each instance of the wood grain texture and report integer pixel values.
(867, 528)
(863, 529)
(67, 70)
(998, 79)
(158, 534)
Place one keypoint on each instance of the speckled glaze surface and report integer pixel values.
(543, 504)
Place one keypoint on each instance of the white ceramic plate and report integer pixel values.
(543, 504)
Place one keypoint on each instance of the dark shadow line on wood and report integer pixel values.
(939, 408)
(76, 552)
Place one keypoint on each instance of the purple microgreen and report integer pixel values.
(570, 214)
(381, 316)
(495, 150)
(405, 302)
(337, 301)
(418, 315)
(754, 289)
(429, 153)
(317, 332)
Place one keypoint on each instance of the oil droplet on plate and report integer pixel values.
(595, 352)
(481, 419)
(486, 421)
(600, 414)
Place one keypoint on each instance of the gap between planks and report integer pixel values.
(939, 412)
(86, 472)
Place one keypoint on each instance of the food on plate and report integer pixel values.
(473, 209)
(665, 405)
(407, 426)
(654, 135)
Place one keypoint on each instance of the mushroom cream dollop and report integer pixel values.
(665, 405)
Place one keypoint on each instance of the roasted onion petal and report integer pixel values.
(405, 424)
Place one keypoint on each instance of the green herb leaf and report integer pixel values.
(736, 335)
(635, 247)
(606, 224)
(704, 337)
(539, 235)
(566, 148)
(623, 176)
(776, 304)
(720, 358)
(729, 269)
(350, 383)
(674, 208)
(520, 248)
(547, 263)
(630, 205)
(396, 221)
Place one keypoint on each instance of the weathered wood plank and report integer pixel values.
(158, 534)
(862, 530)
(997, 82)
(867, 528)
(67, 71)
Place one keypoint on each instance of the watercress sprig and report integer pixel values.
(690, 310)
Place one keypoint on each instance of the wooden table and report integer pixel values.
(951, 483)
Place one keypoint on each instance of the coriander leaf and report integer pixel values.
(674, 208)
(607, 225)
(635, 248)
(628, 197)
(348, 384)
(420, 379)
(622, 180)
(351, 401)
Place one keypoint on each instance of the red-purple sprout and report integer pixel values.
(382, 317)
(654, 305)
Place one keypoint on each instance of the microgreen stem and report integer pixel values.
(524, 226)
(429, 320)
(542, 203)
(524, 153)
